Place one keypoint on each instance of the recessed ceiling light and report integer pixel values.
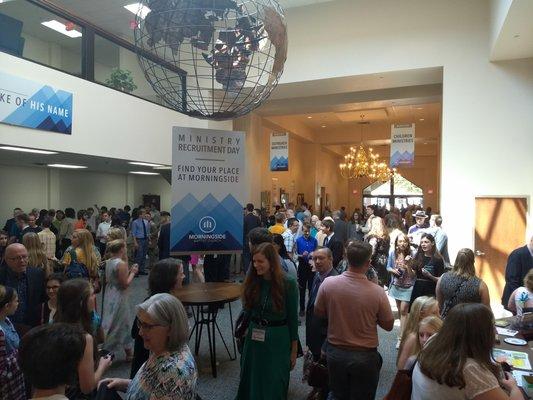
(61, 28)
(420, 108)
(425, 142)
(323, 126)
(421, 119)
(144, 164)
(309, 117)
(27, 150)
(68, 166)
(138, 9)
(143, 173)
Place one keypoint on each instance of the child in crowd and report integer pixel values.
(422, 307)
(521, 299)
(426, 329)
(11, 378)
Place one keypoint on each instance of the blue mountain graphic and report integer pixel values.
(26, 116)
(227, 215)
(279, 164)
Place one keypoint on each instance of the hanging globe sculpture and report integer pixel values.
(212, 59)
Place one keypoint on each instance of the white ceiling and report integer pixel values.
(111, 15)
(515, 37)
(93, 163)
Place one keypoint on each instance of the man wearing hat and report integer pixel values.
(415, 232)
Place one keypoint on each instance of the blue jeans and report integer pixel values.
(140, 253)
(353, 375)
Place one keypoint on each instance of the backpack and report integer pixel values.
(76, 269)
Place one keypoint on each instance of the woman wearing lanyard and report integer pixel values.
(271, 299)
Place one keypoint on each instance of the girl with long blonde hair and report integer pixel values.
(423, 306)
(36, 255)
(86, 253)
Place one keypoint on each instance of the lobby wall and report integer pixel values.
(29, 187)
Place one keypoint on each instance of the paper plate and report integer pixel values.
(515, 341)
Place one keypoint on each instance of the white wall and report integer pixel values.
(487, 118)
(29, 187)
(106, 122)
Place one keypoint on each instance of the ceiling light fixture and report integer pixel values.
(421, 119)
(309, 117)
(143, 173)
(27, 150)
(138, 9)
(360, 162)
(144, 164)
(67, 166)
(420, 108)
(61, 28)
(323, 126)
(164, 167)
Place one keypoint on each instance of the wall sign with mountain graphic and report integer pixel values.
(34, 105)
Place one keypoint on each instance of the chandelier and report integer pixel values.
(360, 163)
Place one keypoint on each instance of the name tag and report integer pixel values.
(258, 335)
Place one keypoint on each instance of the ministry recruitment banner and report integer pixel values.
(207, 191)
(402, 149)
(279, 151)
(34, 105)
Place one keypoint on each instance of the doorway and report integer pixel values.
(500, 228)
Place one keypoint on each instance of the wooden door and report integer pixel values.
(500, 228)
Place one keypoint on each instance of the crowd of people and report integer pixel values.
(334, 274)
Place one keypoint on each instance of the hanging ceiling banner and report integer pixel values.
(402, 148)
(279, 151)
(207, 191)
(34, 105)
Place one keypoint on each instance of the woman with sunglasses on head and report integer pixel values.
(457, 363)
(170, 371)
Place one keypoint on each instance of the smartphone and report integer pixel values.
(107, 353)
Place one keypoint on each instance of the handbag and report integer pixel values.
(241, 326)
(402, 386)
(318, 374)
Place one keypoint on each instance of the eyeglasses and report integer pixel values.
(22, 258)
(52, 287)
(146, 327)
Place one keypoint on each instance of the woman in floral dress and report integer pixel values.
(170, 372)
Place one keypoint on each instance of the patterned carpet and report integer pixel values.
(224, 387)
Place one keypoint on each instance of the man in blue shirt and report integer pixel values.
(140, 230)
(305, 245)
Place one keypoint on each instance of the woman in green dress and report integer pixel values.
(271, 299)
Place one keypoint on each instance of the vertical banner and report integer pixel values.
(402, 148)
(279, 151)
(207, 191)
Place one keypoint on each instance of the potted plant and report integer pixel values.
(121, 79)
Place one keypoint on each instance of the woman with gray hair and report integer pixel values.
(170, 371)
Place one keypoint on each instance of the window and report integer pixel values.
(36, 34)
(109, 56)
(402, 192)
